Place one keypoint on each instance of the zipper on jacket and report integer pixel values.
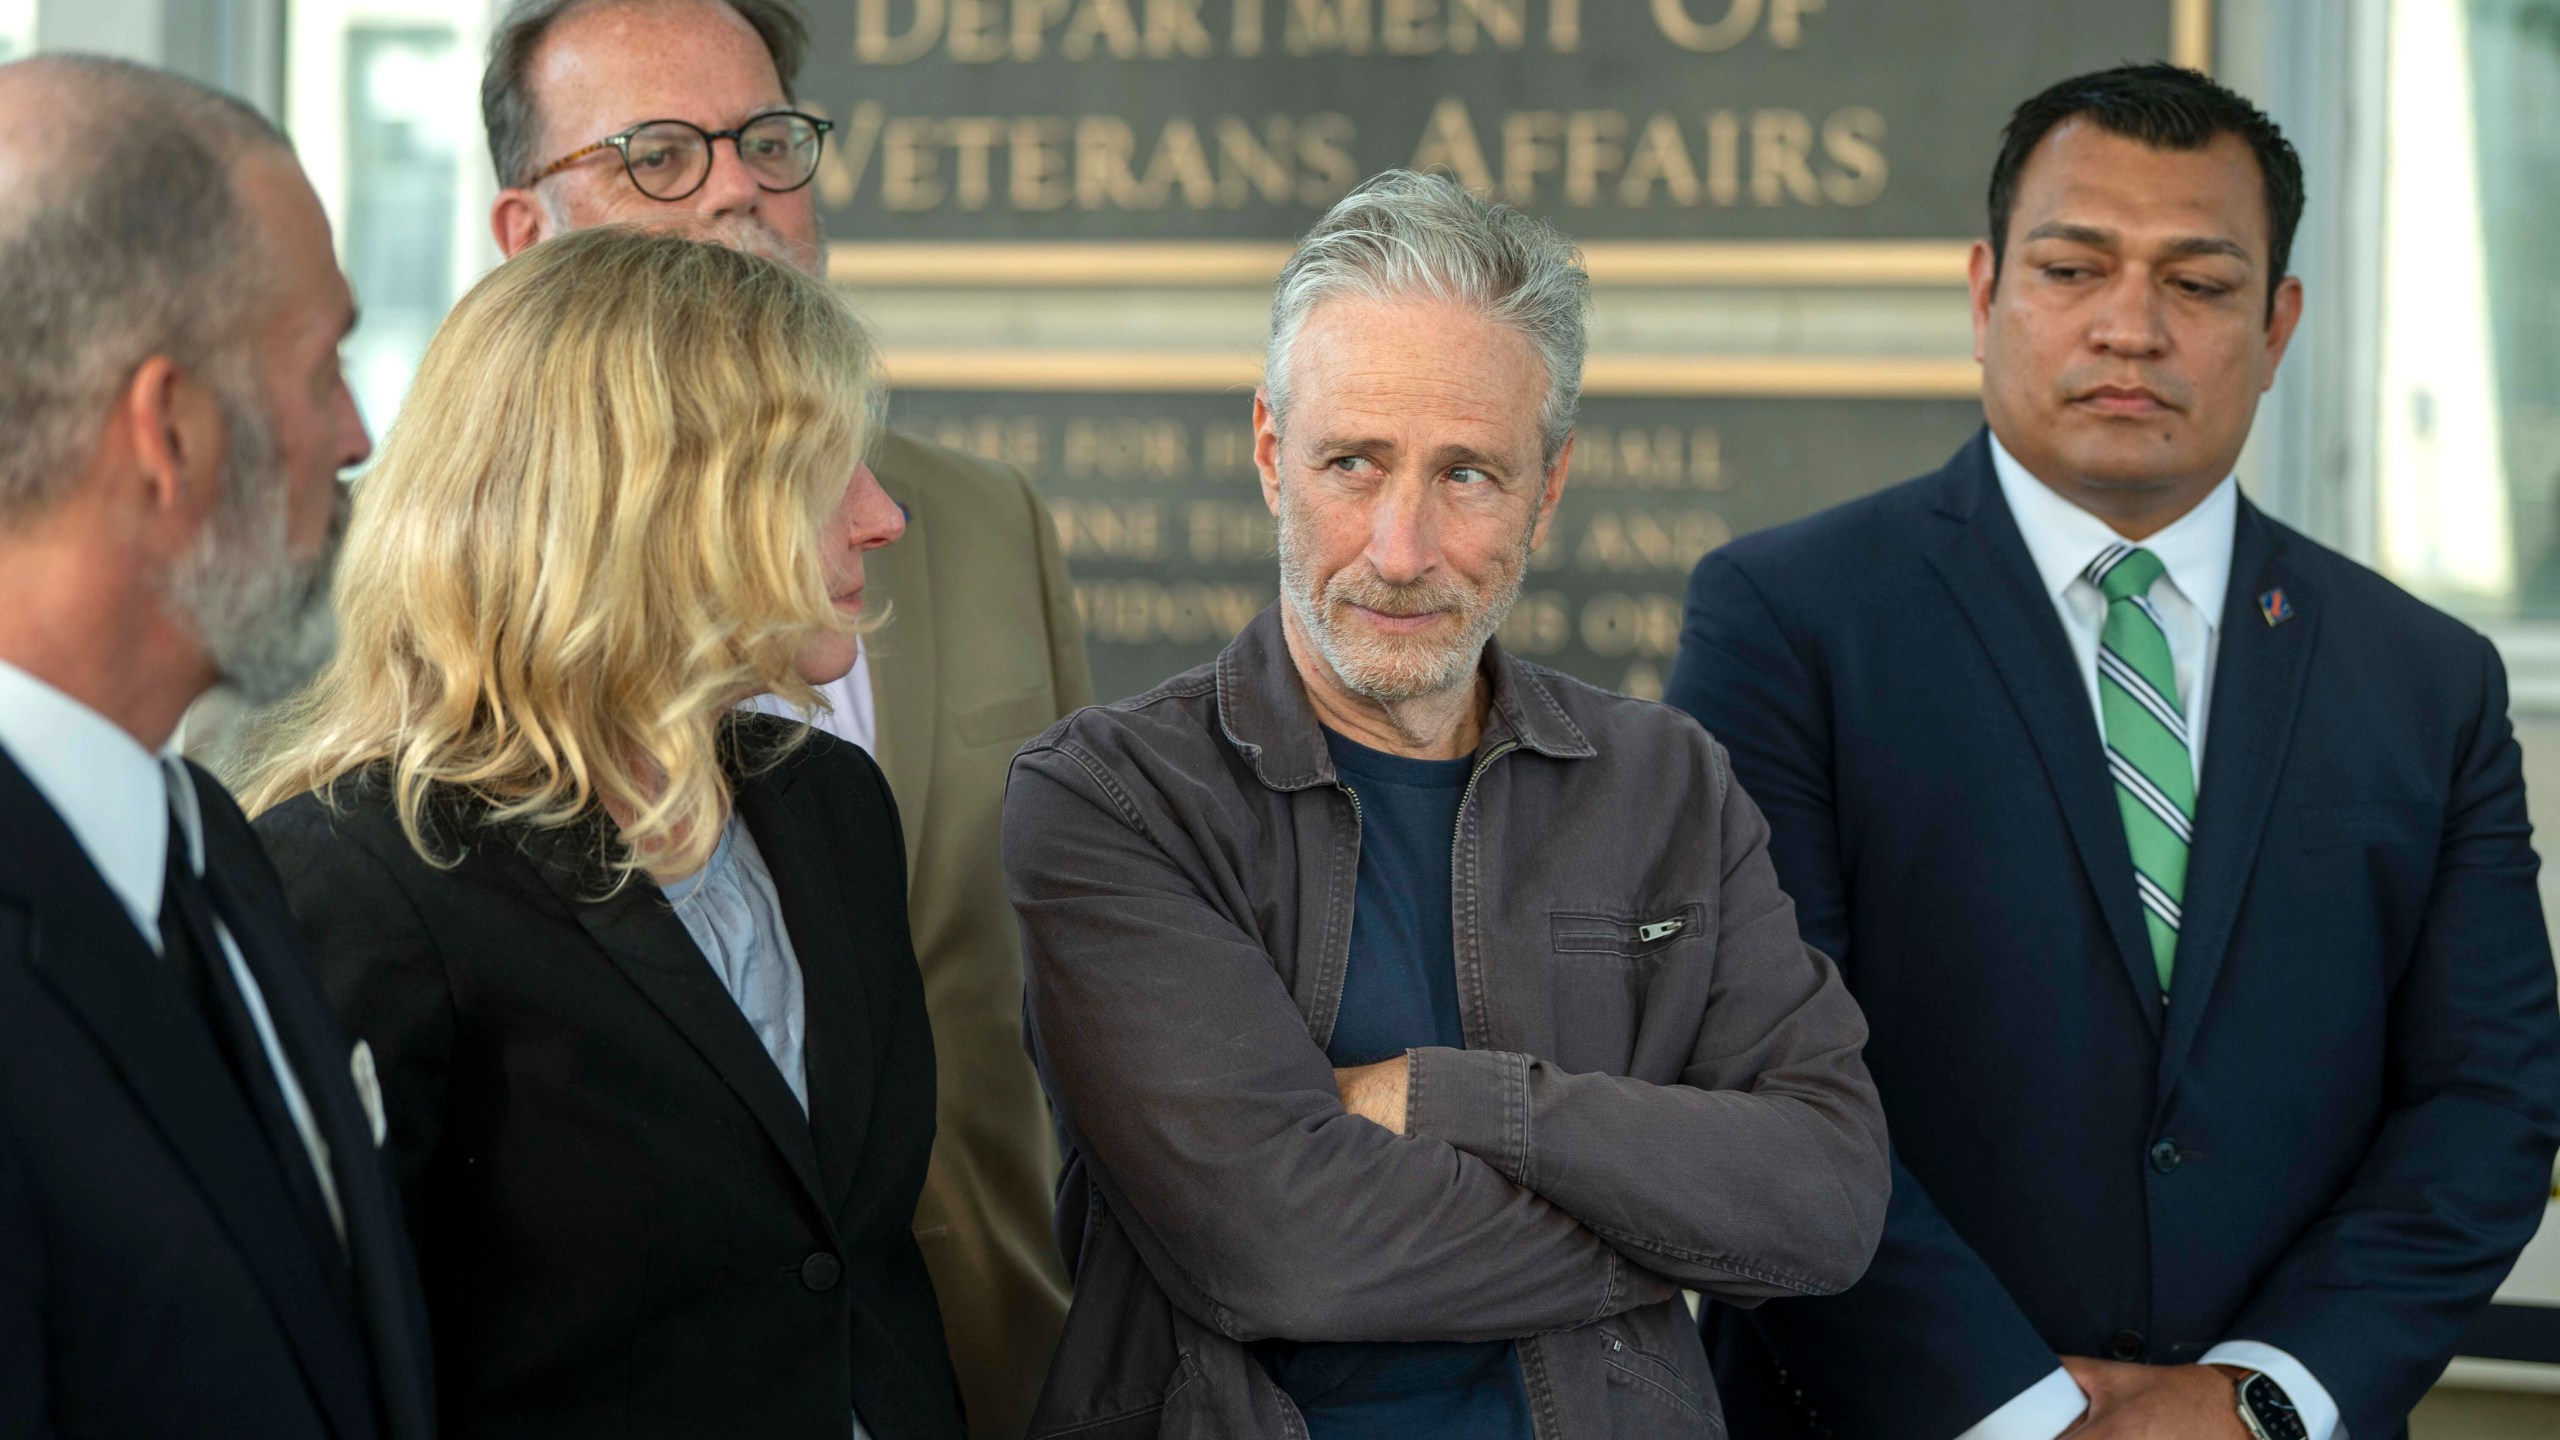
(1459, 832)
(1358, 825)
(1457, 835)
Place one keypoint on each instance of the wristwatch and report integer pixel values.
(2266, 1411)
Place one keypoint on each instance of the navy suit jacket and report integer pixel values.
(2337, 1133)
(155, 1278)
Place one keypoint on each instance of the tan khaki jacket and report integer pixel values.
(981, 652)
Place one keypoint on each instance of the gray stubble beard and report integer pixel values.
(1380, 678)
(265, 619)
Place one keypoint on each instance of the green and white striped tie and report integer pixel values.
(2148, 750)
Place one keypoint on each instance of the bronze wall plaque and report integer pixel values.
(1162, 519)
(1032, 149)
(1681, 120)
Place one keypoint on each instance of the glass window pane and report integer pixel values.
(2468, 423)
(17, 28)
(382, 97)
(403, 153)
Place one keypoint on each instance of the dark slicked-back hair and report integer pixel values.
(507, 109)
(2167, 108)
(122, 237)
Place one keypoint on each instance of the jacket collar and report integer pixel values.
(1264, 712)
(1984, 563)
(2270, 625)
(636, 927)
(791, 827)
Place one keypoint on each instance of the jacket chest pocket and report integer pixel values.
(1605, 973)
(1638, 938)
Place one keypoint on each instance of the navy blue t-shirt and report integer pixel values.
(1400, 992)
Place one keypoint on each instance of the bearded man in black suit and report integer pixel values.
(197, 1237)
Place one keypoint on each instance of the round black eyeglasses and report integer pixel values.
(670, 159)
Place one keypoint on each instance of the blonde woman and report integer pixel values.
(632, 966)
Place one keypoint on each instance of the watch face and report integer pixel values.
(2272, 1409)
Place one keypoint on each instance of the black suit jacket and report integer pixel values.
(2337, 1134)
(626, 1225)
(155, 1278)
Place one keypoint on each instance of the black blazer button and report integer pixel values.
(2127, 1345)
(821, 1271)
(2165, 1156)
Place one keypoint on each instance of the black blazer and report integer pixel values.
(2336, 1136)
(625, 1223)
(155, 1278)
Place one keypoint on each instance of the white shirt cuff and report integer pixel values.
(2311, 1399)
(2045, 1409)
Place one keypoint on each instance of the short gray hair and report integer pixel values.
(507, 110)
(125, 239)
(1405, 235)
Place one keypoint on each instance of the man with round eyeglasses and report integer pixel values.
(681, 112)
(616, 111)
(670, 159)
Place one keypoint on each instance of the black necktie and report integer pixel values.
(194, 949)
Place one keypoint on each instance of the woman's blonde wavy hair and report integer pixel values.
(592, 530)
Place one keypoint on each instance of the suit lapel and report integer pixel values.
(1985, 565)
(377, 1246)
(639, 931)
(86, 949)
(790, 832)
(904, 691)
(2258, 684)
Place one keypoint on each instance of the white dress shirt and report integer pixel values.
(2062, 539)
(2195, 550)
(848, 715)
(117, 798)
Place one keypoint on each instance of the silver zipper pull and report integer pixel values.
(1659, 930)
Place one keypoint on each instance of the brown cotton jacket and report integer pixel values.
(1661, 1087)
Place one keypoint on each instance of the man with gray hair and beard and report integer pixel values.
(196, 1235)
(1421, 1022)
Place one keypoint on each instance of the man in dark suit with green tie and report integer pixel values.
(2180, 864)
